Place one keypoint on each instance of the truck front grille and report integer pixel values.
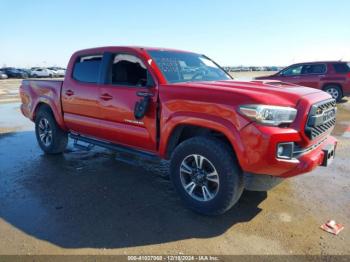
(321, 118)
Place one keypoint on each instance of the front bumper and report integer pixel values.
(260, 143)
(315, 158)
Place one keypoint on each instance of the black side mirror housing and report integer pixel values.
(141, 106)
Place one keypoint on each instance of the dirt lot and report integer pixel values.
(93, 203)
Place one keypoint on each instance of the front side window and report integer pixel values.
(314, 69)
(187, 67)
(87, 68)
(129, 70)
(293, 70)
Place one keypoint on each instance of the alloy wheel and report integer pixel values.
(199, 178)
(333, 92)
(45, 132)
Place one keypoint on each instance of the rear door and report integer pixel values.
(127, 81)
(80, 96)
(312, 74)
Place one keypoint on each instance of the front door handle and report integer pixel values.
(69, 92)
(106, 97)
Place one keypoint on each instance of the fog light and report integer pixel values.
(285, 150)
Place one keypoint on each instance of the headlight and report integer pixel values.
(269, 115)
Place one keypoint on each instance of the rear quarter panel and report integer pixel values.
(334, 78)
(346, 88)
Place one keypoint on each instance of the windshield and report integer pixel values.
(187, 67)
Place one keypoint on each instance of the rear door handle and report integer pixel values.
(106, 97)
(69, 92)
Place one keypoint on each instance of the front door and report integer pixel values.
(128, 82)
(291, 74)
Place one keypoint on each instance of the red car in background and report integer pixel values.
(332, 77)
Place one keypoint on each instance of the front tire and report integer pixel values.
(206, 175)
(335, 92)
(51, 138)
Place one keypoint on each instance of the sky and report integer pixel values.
(232, 32)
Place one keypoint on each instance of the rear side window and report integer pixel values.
(314, 69)
(87, 68)
(342, 68)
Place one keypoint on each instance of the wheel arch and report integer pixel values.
(41, 106)
(185, 130)
(332, 84)
(45, 105)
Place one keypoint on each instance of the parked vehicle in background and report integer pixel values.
(3, 75)
(59, 72)
(332, 77)
(12, 72)
(221, 135)
(54, 73)
(41, 72)
(25, 71)
(272, 68)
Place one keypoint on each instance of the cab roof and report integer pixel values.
(135, 48)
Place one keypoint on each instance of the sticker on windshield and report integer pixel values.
(168, 65)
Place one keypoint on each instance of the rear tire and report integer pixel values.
(335, 92)
(206, 162)
(51, 138)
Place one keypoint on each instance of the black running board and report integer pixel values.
(115, 147)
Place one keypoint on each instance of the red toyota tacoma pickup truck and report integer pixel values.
(221, 135)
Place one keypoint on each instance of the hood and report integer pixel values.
(266, 92)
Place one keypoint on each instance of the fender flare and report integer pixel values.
(57, 112)
(215, 123)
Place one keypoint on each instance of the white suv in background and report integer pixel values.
(41, 72)
(58, 71)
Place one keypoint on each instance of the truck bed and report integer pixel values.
(35, 92)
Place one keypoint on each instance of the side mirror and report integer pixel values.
(141, 106)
